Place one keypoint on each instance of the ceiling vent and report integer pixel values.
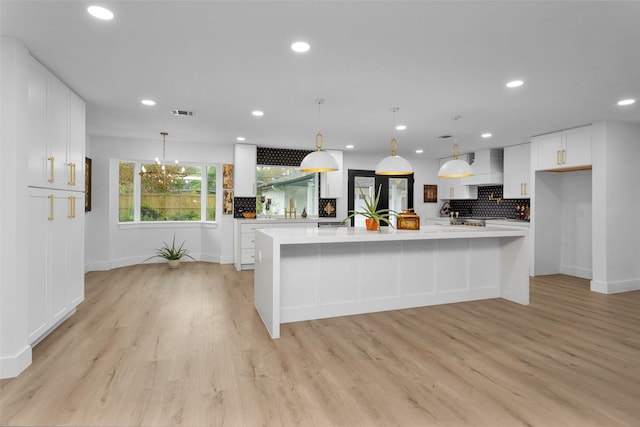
(182, 112)
(445, 136)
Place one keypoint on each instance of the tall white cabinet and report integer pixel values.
(56, 139)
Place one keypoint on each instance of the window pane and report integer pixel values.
(125, 204)
(211, 193)
(172, 194)
(280, 187)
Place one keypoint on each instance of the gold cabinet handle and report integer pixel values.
(525, 189)
(52, 176)
(51, 208)
(72, 207)
(72, 174)
(558, 157)
(564, 160)
(521, 189)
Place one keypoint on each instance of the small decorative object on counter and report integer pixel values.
(304, 213)
(408, 220)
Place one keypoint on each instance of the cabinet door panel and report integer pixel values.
(59, 270)
(76, 142)
(37, 116)
(37, 275)
(75, 239)
(57, 121)
(577, 146)
(516, 171)
(549, 151)
(244, 170)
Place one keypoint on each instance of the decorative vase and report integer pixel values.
(174, 263)
(372, 224)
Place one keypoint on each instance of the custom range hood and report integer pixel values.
(487, 168)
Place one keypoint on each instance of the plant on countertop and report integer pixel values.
(371, 212)
(171, 253)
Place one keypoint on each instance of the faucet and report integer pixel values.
(497, 199)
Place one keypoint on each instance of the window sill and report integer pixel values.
(166, 224)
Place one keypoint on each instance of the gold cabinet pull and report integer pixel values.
(72, 207)
(72, 174)
(51, 208)
(558, 157)
(450, 191)
(52, 176)
(525, 189)
(564, 160)
(521, 189)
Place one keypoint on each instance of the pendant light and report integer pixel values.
(318, 161)
(394, 164)
(455, 168)
(162, 174)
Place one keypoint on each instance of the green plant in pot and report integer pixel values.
(172, 253)
(370, 211)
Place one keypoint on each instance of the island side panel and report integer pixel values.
(266, 282)
(514, 275)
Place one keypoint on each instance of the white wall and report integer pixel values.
(15, 351)
(616, 203)
(110, 245)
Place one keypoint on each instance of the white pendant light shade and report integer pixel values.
(393, 164)
(455, 168)
(319, 161)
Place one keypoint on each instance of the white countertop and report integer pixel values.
(348, 234)
(505, 221)
(280, 220)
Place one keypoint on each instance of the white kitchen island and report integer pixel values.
(311, 273)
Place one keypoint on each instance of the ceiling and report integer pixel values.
(432, 60)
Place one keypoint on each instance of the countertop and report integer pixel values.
(281, 220)
(491, 222)
(348, 234)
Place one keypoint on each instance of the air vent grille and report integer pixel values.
(182, 112)
(445, 136)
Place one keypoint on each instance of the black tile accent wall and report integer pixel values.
(483, 207)
(243, 204)
(280, 156)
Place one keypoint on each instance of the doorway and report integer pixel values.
(396, 192)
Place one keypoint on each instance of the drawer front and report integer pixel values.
(248, 240)
(248, 256)
(248, 228)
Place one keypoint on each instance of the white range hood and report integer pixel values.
(487, 168)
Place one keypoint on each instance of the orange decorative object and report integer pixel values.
(408, 220)
(372, 224)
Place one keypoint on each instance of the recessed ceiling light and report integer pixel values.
(148, 102)
(419, 151)
(241, 138)
(257, 113)
(100, 13)
(300, 47)
(627, 102)
(350, 146)
(401, 127)
(515, 83)
(486, 135)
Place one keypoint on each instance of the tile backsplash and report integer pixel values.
(483, 207)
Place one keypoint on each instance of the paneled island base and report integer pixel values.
(310, 273)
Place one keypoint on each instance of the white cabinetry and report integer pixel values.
(56, 140)
(331, 182)
(517, 172)
(56, 132)
(56, 271)
(452, 188)
(244, 176)
(569, 149)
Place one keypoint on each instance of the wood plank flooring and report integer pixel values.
(156, 347)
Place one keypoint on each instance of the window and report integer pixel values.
(282, 187)
(150, 192)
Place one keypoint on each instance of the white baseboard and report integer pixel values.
(12, 366)
(615, 287)
(584, 273)
(126, 262)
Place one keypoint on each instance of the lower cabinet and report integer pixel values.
(56, 272)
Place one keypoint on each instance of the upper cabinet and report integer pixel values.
(331, 182)
(452, 188)
(569, 149)
(244, 170)
(56, 132)
(517, 171)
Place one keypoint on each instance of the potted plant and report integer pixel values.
(373, 215)
(171, 253)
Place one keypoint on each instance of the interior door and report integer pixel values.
(396, 192)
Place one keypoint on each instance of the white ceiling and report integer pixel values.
(433, 60)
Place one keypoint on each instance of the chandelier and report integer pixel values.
(161, 174)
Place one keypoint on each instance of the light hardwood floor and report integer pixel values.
(150, 346)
